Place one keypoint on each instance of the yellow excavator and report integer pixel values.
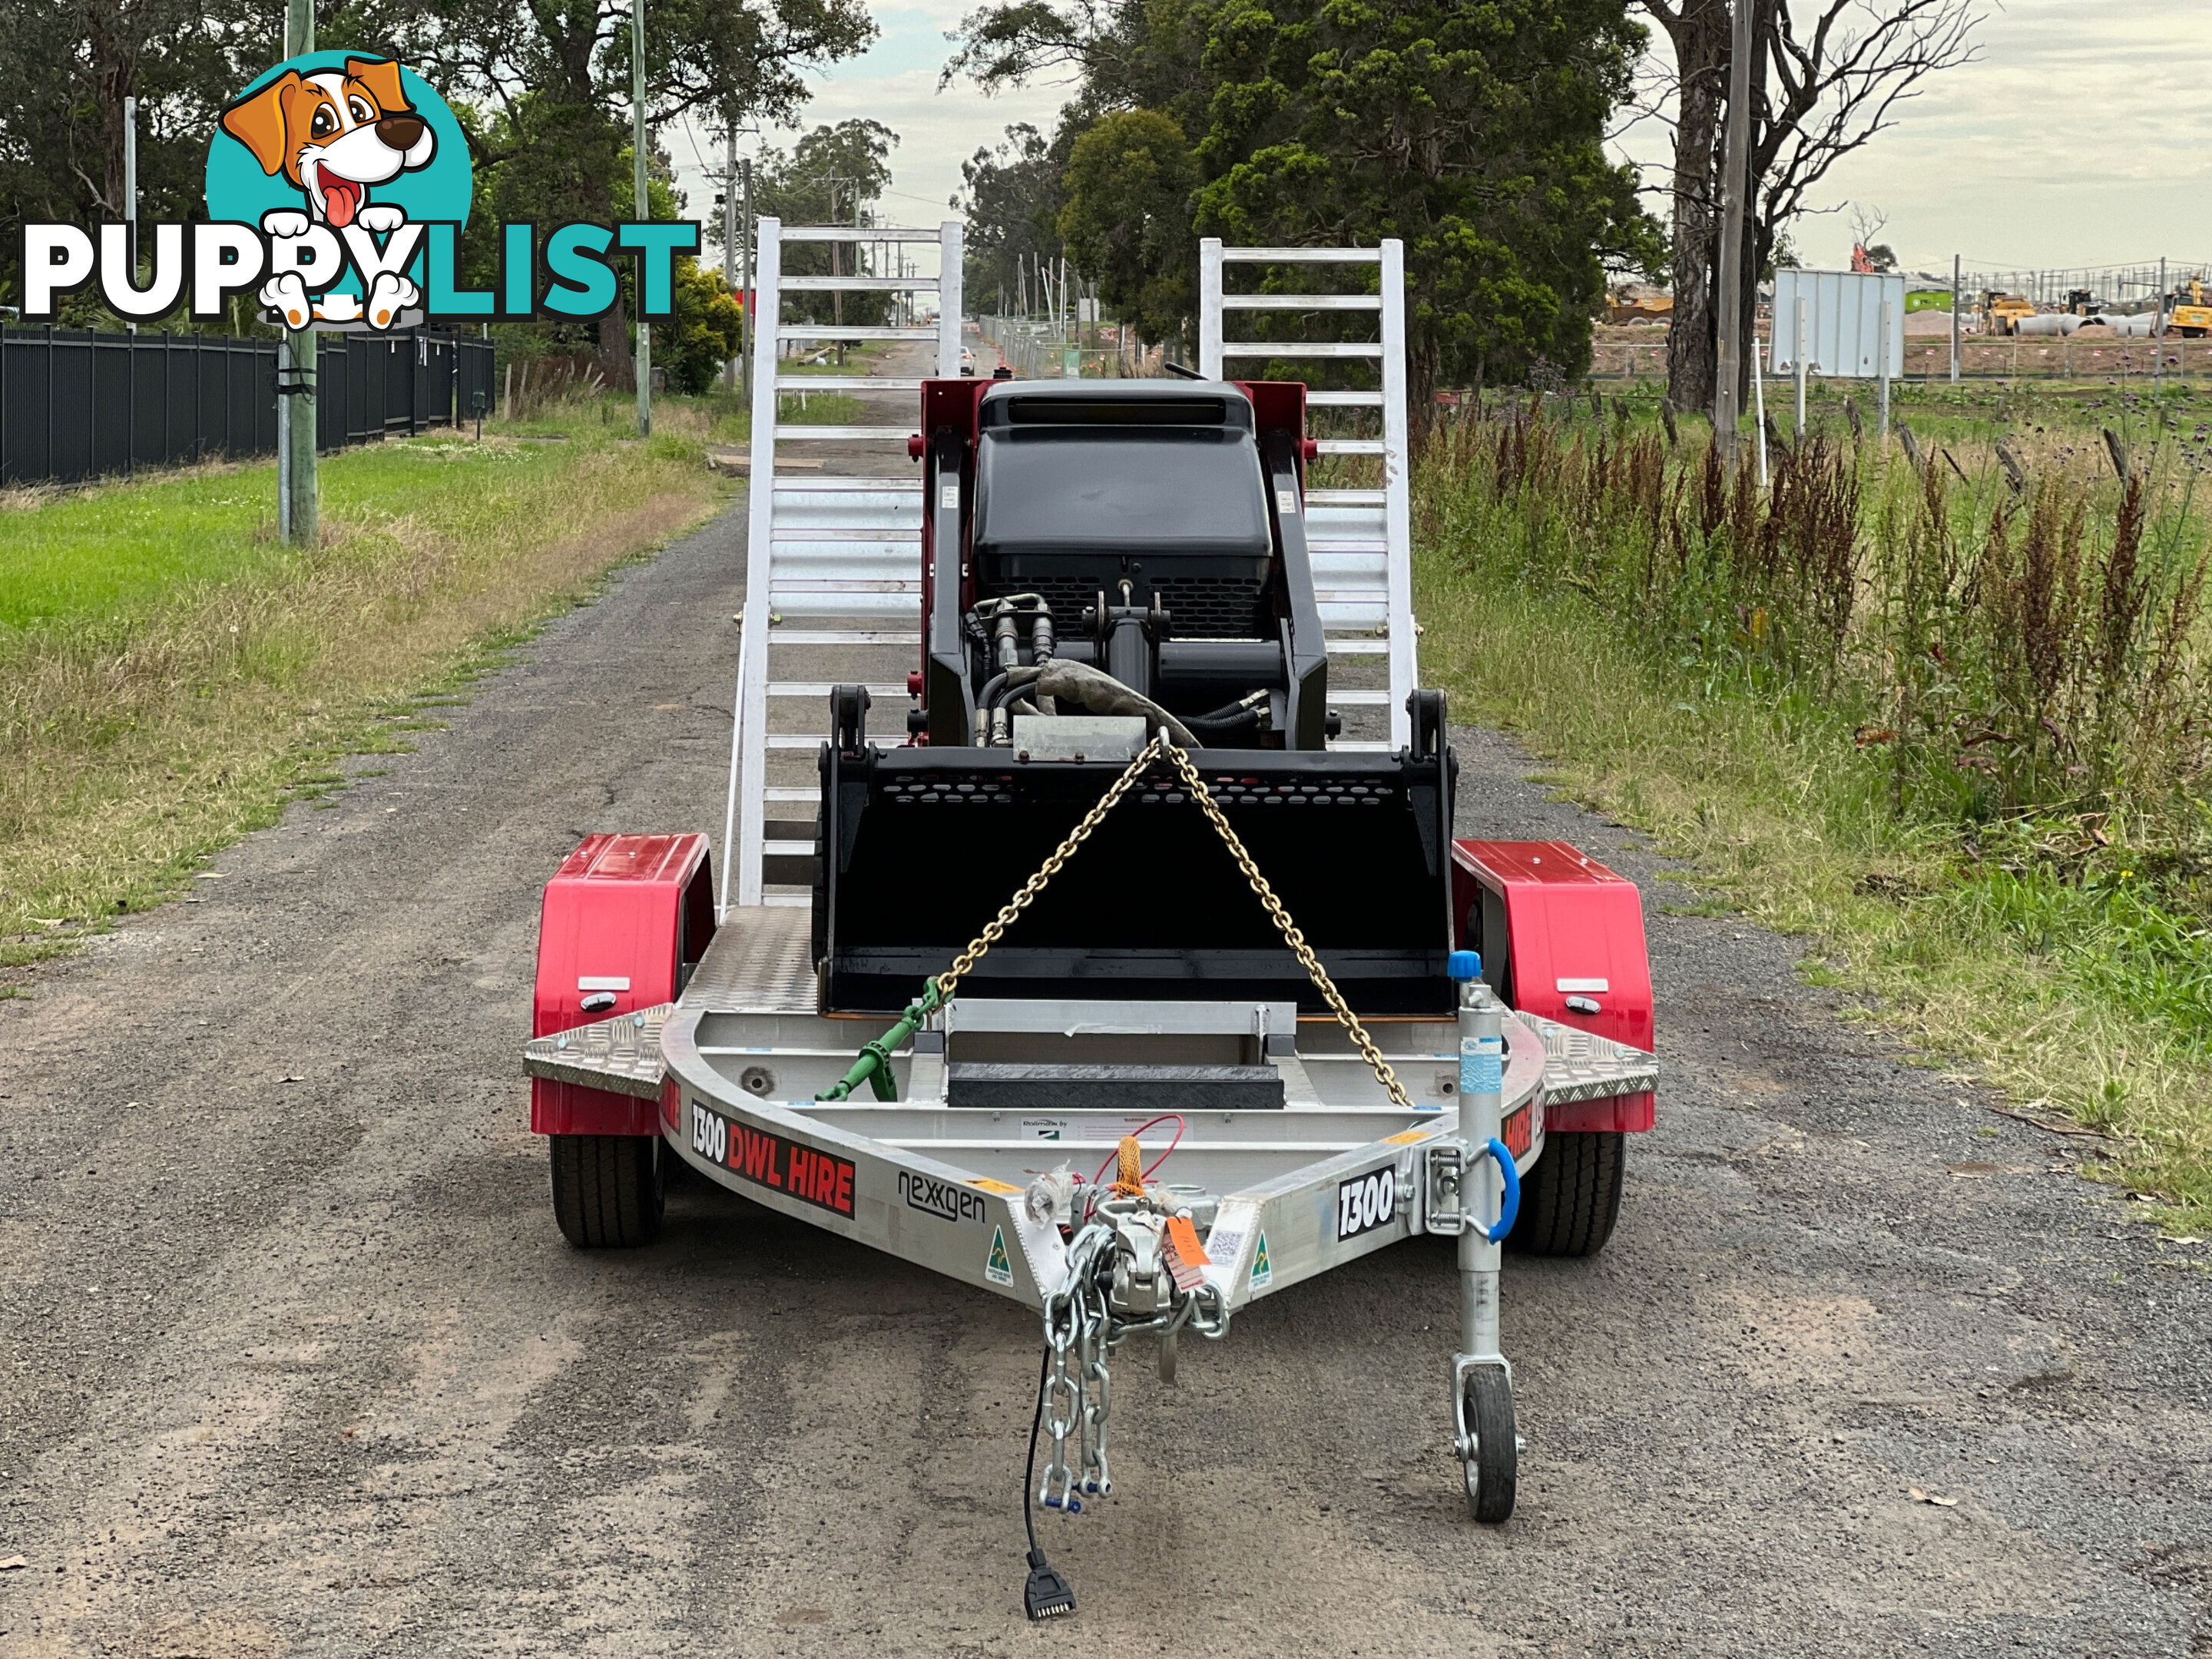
(2189, 310)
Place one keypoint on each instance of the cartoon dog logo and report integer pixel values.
(335, 137)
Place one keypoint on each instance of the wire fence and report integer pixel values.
(1928, 358)
(76, 404)
(2122, 288)
(1040, 351)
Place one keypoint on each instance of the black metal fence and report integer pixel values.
(76, 404)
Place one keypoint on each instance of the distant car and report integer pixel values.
(967, 361)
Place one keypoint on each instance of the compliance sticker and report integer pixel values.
(755, 1155)
(1367, 1202)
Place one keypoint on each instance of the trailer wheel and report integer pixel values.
(608, 1190)
(1570, 1197)
(1492, 1473)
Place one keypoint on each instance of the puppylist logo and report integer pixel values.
(338, 186)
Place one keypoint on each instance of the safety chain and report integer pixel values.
(1292, 934)
(1081, 1332)
(996, 928)
(1081, 1329)
(1078, 1393)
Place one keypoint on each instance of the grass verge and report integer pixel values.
(1774, 814)
(1943, 707)
(170, 676)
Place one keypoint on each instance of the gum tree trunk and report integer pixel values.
(1699, 31)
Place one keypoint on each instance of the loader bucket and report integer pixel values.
(921, 846)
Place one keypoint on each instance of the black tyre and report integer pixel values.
(607, 1189)
(1493, 1472)
(1570, 1197)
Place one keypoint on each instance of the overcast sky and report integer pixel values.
(2083, 135)
(894, 83)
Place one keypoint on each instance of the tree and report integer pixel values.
(1475, 133)
(1123, 54)
(1820, 88)
(1867, 254)
(1127, 222)
(833, 176)
(703, 334)
(559, 72)
(1012, 195)
(67, 68)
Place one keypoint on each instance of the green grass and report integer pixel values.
(2058, 949)
(170, 675)
(2083, 998)
(112, 552)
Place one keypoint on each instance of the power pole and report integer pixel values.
(1954, 319)
(730, 231)
(130, 180)
(2158, 336)
(746, 333)
(643, 208)
(299, 496)
(838, 262)
(1729, 336)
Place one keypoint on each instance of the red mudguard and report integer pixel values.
(1553, 924)
(624, 923)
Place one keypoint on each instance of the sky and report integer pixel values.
(2082, 136)
(894, 83)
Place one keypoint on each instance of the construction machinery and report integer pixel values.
(2003, 313)
(1633, 304)
(2189, 310)
(1114, 970)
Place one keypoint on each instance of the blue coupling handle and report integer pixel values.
(1512, 1209)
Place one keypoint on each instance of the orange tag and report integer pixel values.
(1185, 1238)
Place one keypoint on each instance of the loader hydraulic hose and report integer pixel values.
(873, 1067)
(1097, 691)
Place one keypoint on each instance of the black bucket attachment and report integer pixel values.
(921, 846)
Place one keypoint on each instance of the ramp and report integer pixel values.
(832, 556)
(1360, 540)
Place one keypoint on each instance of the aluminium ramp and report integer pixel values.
(833, 557)
(1360, 540)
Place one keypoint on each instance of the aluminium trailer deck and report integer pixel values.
(735, 1062)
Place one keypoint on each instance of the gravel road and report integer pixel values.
(292, 1361)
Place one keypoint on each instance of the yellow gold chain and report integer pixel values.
(1291, 935)
(996, 928)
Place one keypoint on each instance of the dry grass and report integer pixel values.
(133, 744)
